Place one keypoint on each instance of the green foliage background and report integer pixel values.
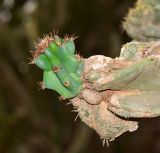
(33, 121)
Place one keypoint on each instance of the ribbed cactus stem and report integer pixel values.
(60, 70)
(43, 62)
(51, 81)
(60, 65)
(70, 46)
(70, 62)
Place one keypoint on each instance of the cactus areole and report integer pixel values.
(62, 68)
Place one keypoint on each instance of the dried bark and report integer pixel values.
(117, 90)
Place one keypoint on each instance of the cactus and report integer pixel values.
(107, 93)
(61, 67)
(143, 21)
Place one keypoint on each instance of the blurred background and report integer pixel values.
(34, 121)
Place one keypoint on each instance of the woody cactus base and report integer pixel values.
(108, 94)
(117, 90)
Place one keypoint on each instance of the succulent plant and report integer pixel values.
(61, 67)
(101, 88)
(143, 21)
(108, 93)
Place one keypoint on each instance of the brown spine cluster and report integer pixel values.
(41, 46)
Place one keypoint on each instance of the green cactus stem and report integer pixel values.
(80, 68)
(59, 69)
(69, 62)
(62, 69)
(70, 46)
(43, 63)
(50, 81)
